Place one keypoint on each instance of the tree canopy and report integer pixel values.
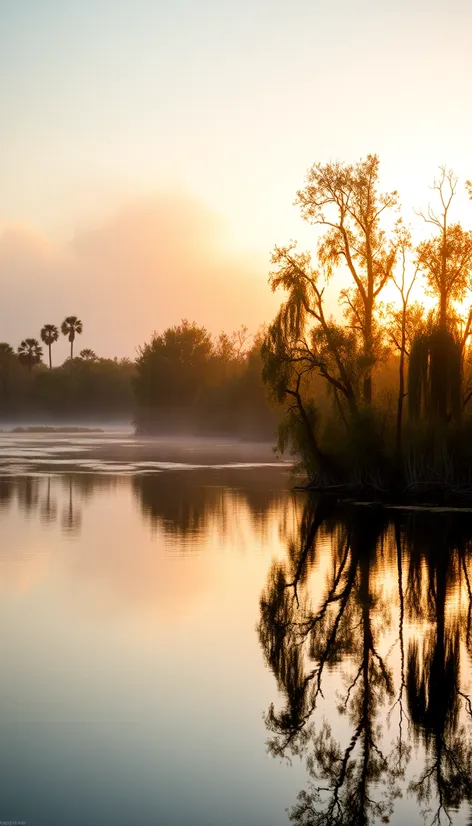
(329, 371)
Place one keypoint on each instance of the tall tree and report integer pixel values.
(30, 352)
(435, 374)
(49, 334)
(446, 259)
(345, 199)
(70, 327)
(401, 321)
(302, 343)
(316, 342)
(172, 371)
(285, 371)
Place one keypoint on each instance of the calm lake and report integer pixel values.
(187, 641)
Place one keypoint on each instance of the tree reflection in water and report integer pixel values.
(388, 627)
(186, 503)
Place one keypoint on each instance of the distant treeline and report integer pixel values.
(183, 380)
(188, 381)
(84, 387)
(80, 389)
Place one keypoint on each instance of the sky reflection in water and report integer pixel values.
(140, 613)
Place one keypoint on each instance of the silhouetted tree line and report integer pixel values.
(188, 381)
(183, 380)
(344, 422)
(82, 389)
(86, 387)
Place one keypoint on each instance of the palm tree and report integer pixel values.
(71, 326)
(49, 334)
(30, 352)
(88, 355)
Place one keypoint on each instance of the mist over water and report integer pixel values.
(120, 451)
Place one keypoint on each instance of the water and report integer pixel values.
(201, 645)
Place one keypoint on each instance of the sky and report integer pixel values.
(150, 152)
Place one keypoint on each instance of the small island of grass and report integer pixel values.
(53, 429)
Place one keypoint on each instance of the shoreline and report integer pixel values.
(423, 497)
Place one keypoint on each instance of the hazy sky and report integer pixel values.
(150, 152)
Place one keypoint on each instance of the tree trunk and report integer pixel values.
(50, 358)
(317, 453)
(369, 309)
(348, 389)
(340, 409)
(401, 385)
(443, 308)
(443, 295)
(368, 351)
(71, 349)
(368, 389)
(319, 457)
